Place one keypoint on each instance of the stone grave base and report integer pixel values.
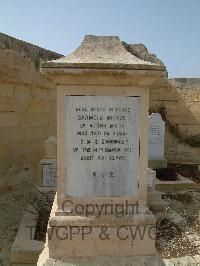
(106, 240)
(26, 250)
(155, 202)
(80, 237)
(153, 260)
(107, 235)
(182, 183)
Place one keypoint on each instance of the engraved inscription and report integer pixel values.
(102, 145)
(49, 175)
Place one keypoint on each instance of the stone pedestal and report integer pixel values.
(100, 215)
(153, 260)
(78, 240)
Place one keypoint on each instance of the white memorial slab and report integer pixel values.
(156, 137)
(102, 145)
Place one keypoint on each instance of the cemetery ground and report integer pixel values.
(178, 230)
(178, 227)
(12, 208)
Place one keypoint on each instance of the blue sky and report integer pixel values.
(169, 28)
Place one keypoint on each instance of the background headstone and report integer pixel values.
(49, 172)
(156, 137)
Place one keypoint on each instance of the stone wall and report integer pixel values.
(27, 109)
(181, 99)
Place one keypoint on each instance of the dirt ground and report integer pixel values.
(12, 207)
(178, 232)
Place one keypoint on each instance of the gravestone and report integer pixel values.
(49, 172)
(102, 157)
(156, 137)
(156, 142)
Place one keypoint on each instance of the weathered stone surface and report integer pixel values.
(141, 51)
(106, 261)
(102, 52)
(102, 145)
(49, 172)
(34, 52)
(187, 83)
(156, 137)
(155, 201)
(153, 164)
(181, 98)
(26, 102)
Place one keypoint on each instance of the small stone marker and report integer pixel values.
(49, 172)
(156, 137)
(151, 176)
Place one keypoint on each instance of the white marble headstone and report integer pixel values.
(156, 137)
(102, 147)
